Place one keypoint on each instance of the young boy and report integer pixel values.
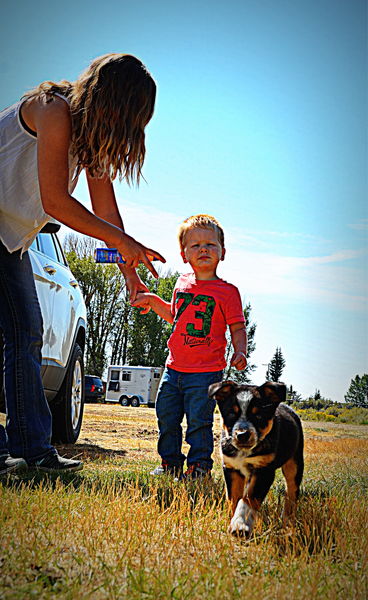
(201, 308)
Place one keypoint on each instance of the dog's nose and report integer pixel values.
(242, 436)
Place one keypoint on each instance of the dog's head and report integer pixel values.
(247, 413)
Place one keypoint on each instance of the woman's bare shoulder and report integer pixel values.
(39, 110)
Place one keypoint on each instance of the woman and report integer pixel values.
(58, 129)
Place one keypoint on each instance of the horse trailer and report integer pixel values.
(133, 386)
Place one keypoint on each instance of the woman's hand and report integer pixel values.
(133, 282)
(105, 206)
(134, 252)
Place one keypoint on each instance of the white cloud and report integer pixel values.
(337, 278)
(328, 279)
(361, 225)
(295, 299)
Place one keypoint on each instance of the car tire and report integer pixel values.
(67, 408)
(124, 400)
(135, 402)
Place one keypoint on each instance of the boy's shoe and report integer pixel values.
(53, 462)
(196, 472)
(9, 464)
(167, 469)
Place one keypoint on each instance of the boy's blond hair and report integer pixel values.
(201, 222)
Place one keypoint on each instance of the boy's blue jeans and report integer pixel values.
(28, 424)
(186, 394)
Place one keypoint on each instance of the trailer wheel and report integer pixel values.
(135, 401)
(124, 401)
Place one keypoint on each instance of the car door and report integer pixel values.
(45, 286)
(66, 296)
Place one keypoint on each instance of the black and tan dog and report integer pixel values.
(259, 435)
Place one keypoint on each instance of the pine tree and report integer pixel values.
(275, 366)
(292, 395)
(231, 372)
(357, 393)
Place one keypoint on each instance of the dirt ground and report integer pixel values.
(113, 431)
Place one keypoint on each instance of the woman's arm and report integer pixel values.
(104, 205)
(52, 122)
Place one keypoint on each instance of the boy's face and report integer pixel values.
(202, 250)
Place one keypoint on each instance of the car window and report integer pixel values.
(60, 252)
(95, 380)
(34, 245)
(48, 246)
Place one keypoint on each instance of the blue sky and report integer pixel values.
(261, 121)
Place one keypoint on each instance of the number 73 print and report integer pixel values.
(204, 315)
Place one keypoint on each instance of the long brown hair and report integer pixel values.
(111, 103)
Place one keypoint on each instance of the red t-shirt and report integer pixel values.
(202, 310)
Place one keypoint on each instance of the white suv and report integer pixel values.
(64, 320)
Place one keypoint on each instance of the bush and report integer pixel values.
(338, 413)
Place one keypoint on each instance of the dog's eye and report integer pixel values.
(232, 416)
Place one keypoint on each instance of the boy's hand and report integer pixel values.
(142, 300)
(133, 282)
(148, 300)
(239, 361)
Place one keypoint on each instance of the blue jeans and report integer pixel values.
(186, 394)
(28, 423)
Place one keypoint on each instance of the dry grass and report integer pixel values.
(113, 532)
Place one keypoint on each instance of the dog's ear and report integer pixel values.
(273, 391)
(221, 390)
(225, 395)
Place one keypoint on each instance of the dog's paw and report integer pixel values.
(240, 528)
(241, 525)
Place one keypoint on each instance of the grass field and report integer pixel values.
(114, 532)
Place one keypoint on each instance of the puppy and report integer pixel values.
(259, 435)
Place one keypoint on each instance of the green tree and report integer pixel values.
(357, 393)
(148, 333)
(104, 292)
(116, 332)
(292, 395)
(231, 372)
(276, 366)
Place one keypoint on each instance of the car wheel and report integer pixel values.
(124, 401)
(67, 408)
(135, 401)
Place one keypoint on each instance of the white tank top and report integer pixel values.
(21, 211)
